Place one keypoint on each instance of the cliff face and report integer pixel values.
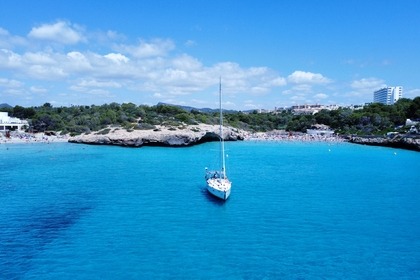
(400, 141)
(162, 136)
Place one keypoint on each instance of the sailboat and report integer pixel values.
(217, 181)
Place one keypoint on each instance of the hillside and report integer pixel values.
(5, 105)
(374, 119)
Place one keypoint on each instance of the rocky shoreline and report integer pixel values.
(197, 134)
(408, 142)
(160, 136)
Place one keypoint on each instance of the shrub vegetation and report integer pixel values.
(373, 119)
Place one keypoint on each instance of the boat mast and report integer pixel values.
(222, 144)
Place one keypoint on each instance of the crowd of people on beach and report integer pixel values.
(295, 137)
(23, 137)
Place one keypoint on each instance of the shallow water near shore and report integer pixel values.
(297, 211)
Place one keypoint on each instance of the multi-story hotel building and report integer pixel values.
(388, 95)
(9, 124)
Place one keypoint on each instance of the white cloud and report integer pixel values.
(4, 32)
(304, 93)
(254, 80)
(76, 61)
(113, 35)
(11, 88)
(302, 88)
(60, 32)
(98, 83)
(10, 83)
(412, 93)
(367, 84)
(298, 98)
(301, 77)
(148, 72)
(117, 58)
(38, 58)
(156, 47)
(250, 105)
(278, 82)
(9, 41)
(13, 92)
(37, 89)
(228, 104)
(362, 89)
(43, 72)
(287, 91)
(259, 89)
(186, 62)
(102, 92)
(198, 102)
(9, 59)
(321, 96)
(171, 77)
(43, 66)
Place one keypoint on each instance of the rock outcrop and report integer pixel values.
(409, 142)
(160, 136)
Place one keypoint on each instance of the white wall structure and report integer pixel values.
(388, 95)
(11, 124)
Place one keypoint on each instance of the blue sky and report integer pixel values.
(268, 53)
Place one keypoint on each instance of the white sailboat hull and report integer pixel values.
(220, 188)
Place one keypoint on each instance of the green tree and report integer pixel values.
(108, 117)
(413, 111)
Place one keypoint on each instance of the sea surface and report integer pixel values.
(297, 211)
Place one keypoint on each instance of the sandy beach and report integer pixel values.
(16, 137)
(293, 137)
(23, 138)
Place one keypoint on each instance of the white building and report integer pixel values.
(388, 95)
(11, 124)
(311, 109)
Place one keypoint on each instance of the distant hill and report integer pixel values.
(203, 110)
(5, 105)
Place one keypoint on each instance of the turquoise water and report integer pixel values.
(297, 211)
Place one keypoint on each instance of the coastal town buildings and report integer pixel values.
(11, 124)
(311, 109)
(388, 95)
